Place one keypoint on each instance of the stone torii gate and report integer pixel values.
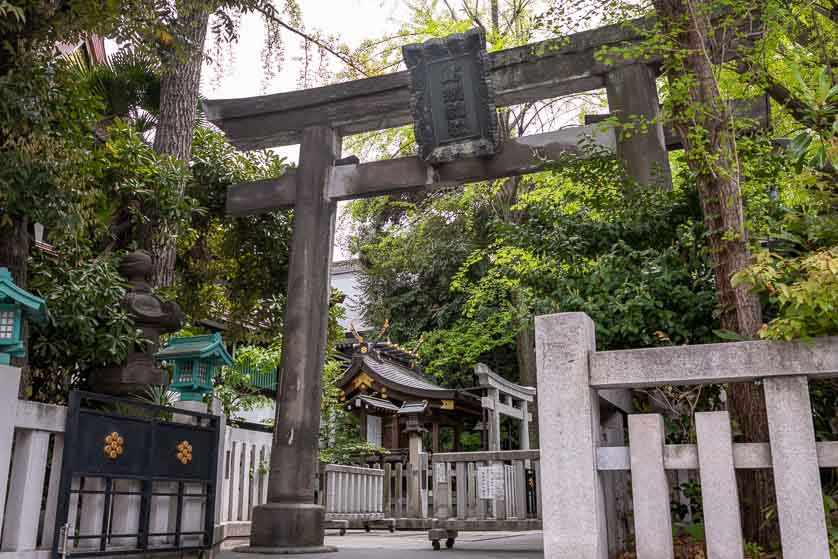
(317, 119)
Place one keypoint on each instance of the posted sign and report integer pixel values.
(491, 482)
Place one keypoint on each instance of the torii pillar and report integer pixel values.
(290, 522)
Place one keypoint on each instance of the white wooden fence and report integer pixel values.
(570, 374)
(244, 484)
(35, 431)
(31, 447)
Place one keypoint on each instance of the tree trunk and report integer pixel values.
(713, 160)
(179, 88)
(14, 248)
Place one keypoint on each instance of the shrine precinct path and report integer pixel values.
(415, 545)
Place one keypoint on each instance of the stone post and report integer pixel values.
(414, 482)
(494, 420)
(524, 427)
(632, 93)
(572, 500)
(794, 456)
(290, 520)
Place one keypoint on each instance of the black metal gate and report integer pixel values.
(112, 442)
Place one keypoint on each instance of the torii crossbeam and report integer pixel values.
(317, 119)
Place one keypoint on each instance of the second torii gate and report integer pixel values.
(317, 119)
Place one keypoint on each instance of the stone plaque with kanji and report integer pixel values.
(452, 97)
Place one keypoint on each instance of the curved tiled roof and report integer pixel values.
(375, 402)
(401, 375)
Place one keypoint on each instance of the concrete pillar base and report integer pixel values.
(287, 528)
(286, 550)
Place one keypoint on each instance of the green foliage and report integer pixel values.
(830, 505)
(87, 327)
(409, 259)
(127, 83)
(233, 268)
(753, 550)
(234, 386)
(817, 146)
(142, 188)
(691, 490)
(50, 168)
(803, 290)
(586, 241)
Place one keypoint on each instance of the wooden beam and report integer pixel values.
(518, 156)
(550, 68)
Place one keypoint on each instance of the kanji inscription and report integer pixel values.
(452, 97)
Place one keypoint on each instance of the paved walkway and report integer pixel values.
(415, 545)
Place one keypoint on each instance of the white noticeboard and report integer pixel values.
(491, 482)
(374, 430)
(439, 470)
(484, 482)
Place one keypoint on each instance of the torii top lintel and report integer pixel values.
(523, 74)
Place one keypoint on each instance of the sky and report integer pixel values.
(243, 75)
(352, 20)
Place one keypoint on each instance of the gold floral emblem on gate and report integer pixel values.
(114, 445)
(184, 452)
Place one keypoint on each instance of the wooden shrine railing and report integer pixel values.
(487, 490)
(352, 492)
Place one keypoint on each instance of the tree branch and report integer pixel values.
(271, 15)
(451, 10)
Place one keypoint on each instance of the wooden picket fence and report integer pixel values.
(577, 389)
(244, 484)
(35, 431)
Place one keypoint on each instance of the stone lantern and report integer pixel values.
(196, 360)
(14, 303)
(153, 316)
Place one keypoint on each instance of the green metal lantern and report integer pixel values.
(196, 361)
(14, 303)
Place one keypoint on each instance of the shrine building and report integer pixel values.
(392, 398)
